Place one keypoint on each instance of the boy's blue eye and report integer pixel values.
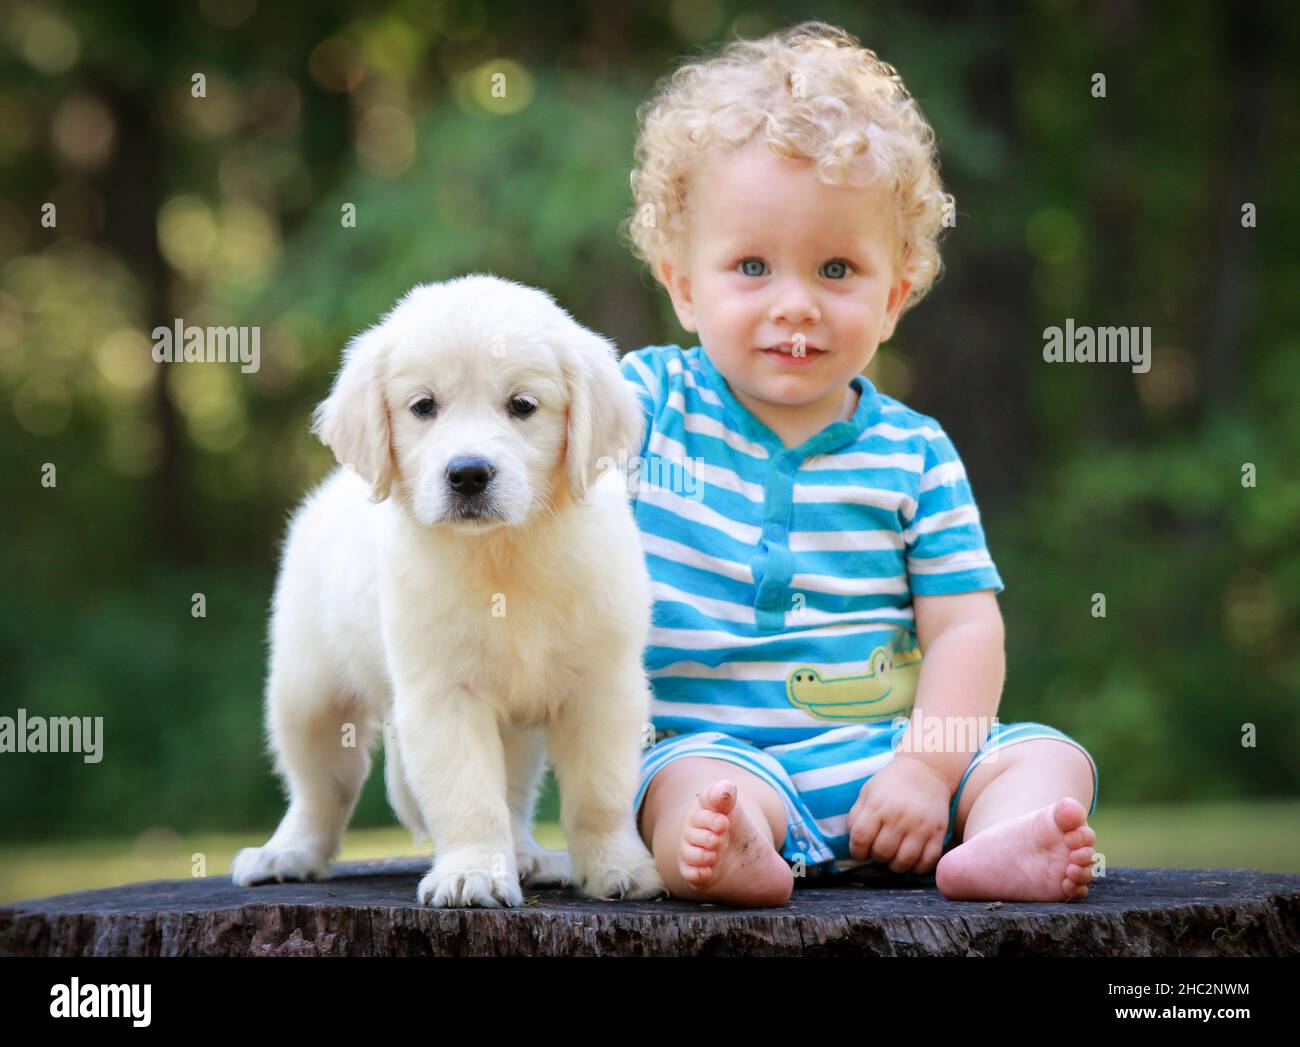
(836, 269)
(747, 262)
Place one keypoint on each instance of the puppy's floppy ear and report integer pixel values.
(604, 415)
(353, 420)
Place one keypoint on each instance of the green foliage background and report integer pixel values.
(1122, 210)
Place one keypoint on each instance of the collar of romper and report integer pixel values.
(834, 436)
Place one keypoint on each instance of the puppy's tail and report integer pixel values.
(399, 793)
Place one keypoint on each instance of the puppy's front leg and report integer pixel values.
(525, 750)
(455, 764)
(595, 747)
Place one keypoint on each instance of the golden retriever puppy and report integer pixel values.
(472, 587)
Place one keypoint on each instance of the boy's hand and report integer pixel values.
(901, 816)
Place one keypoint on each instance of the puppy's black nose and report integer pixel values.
(468, 476)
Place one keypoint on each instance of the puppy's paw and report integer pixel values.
(456, 882)
(628, 872)
(539, 867)
(255, 865)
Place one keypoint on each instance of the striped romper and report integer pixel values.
(783, 638)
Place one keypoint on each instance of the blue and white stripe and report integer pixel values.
(765, 557)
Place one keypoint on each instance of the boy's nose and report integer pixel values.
(794, 305)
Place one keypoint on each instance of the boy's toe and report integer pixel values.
(1080, 874)
(1069, 814)
(720, 796)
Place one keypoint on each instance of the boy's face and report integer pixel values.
(774, 253)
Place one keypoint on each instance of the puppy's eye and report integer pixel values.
(424, 407)
(522, 406)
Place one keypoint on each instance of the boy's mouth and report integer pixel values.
(787, 349)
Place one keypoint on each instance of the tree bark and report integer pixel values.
(369, 909)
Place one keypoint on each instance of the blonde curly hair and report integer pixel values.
(813, 92)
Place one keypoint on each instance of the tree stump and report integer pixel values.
(369, 909)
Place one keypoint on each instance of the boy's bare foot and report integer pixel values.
(1042, 856)
(725, 858)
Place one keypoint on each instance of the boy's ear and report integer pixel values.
(894, 307)
(679, 290)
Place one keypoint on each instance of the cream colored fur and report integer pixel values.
(472, 647)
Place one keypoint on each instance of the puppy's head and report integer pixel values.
(470, 396)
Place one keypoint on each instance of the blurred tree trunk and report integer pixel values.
(133, 195)
(1115, 192)
(1234, 182)
(975, 351)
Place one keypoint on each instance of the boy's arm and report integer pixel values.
(963, 667)
(954, 587)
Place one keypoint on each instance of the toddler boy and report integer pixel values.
(823, 593)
